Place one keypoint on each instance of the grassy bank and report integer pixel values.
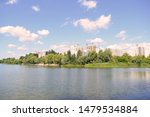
(72, 66)
(103, 65)
(94, 65)
(117, 65)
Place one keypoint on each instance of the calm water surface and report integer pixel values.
(30, 82)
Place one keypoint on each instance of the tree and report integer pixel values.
(107, 55)
(139, 60)
(91, 57)
(79, 53)
(22, 59)
(69, 58)
(69, 55)
(10, 61)
(64, 60)
(48, 59)
(57, 58)
(51, 52)
(148, 59)
(82, 60)
(30, 58)
(101, 56)
(104, 56)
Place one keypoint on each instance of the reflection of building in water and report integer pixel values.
(140, 74)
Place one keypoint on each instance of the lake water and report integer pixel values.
(31, 82)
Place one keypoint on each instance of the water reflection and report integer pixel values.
(29, 82)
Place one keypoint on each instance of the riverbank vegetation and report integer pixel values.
(102, 59)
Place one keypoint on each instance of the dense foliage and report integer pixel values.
(80, 58)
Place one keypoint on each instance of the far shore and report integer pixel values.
(93, 65)
(48, 65)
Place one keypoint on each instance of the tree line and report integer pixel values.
(80, 58)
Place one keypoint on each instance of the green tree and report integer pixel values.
(79, 53)
(48, 59)
(69, 55)
(91, 57)
(30, 58)
(107, 55)
(64, 59)
(57, 58)
(69, 58)
(51, 52)
(147, 60)
(82, 60)
(101, 56)
(139, 60)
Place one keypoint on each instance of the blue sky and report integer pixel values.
(34, 25)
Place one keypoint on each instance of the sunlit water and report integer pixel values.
(31, 82)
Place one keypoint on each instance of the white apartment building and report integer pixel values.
(141, 49)
(84, 49)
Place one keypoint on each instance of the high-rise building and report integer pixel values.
(90, 48)
(141, 51)
(116, 52)
(85, 49)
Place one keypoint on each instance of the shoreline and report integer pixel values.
(94, 65)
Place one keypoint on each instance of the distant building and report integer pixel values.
(41, 54)
(116, 52)
(85, 49)
(141, 51)
(90, 48)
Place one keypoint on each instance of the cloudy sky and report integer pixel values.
(34, 25)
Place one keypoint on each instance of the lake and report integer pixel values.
(32, 82)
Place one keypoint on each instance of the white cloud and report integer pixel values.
(95, 41)
(43, 32)
(11, 2)
(90, 4)
(122, 35)
(39, 42)
(22, 48)
(19, 32)
(36, 8)
(120, 46)
(11, 45)
(22, 33)
(101, 23)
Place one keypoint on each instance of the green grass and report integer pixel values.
(98, 65)
(72, 66)
(116, 65)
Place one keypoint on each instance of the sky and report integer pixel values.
(37, 25)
